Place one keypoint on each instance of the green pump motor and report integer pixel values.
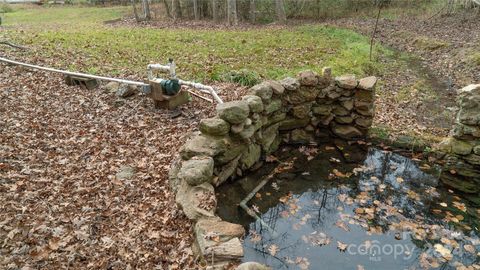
(170, 87)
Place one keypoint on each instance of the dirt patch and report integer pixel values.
(440, 53)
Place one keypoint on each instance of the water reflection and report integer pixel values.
(388, 215)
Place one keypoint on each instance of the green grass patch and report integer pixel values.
(81, 42)
(68, 17)
(429, 44)
(6, 8)
(474, 59)
(419, 90)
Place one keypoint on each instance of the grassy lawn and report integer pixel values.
(80, 41)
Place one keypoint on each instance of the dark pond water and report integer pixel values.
(359, 208)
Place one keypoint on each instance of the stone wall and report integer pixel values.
(462, 148)
(299, 110)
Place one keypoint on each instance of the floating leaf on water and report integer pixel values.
(255, 208)
(469, 248)
(258, 195)
(255, 237)
(273, 249)
(400, 180)
(360, 267)
(443, 204)
(329, 148)
(275, 186)
(342, 225)
(341, 246)
(446, 253)
(271, 158)
(302, 263)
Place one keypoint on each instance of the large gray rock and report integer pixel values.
(452, 145)
(197, 201)
(300, 136)
(340, 111)
(367, 83)
(112, 87)
(344, 119)
(126, 90)
(294, 123)
(234, 112)
(308, 78)
(302, 95)
(347, 104)
(273, 106)
(234, 147)
(277, 87)
(214, 126)
(275, 118)
(252, 266)
(202, 145)
(268, 136)
(302, 111)
(324, 109)
(364, 122)
(197, 171)
(250, 156)
(226, 171)
(254, 102)
(364, 108)
(263, 90)
(290, 84)
(213, 229)
(346, 81)
(476, 150)
(346, 132)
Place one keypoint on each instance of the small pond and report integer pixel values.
(352, 207)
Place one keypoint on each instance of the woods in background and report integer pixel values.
(264, 11)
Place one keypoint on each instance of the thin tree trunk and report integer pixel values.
(135, 12)
(167, 8)
(176, 9)
(195, 10)
(280, 9)
(146, 10)
(253, 11)
(215, 10)
(375, 30)
(232, 12)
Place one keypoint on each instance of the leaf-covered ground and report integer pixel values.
(61, 203)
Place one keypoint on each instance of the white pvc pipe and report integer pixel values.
(201, 87)
(74, 73)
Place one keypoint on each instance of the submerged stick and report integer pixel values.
(243, 203)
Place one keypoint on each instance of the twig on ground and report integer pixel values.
(5, 42)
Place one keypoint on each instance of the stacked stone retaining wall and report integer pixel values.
(462, 148)
(293, 110)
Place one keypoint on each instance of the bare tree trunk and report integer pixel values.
(280, 9)
(167, 8)
(176, 9)
(195, 10)
(215, 10)
(135, 12)
(253, 11)
(146, 10)
(232, 12)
